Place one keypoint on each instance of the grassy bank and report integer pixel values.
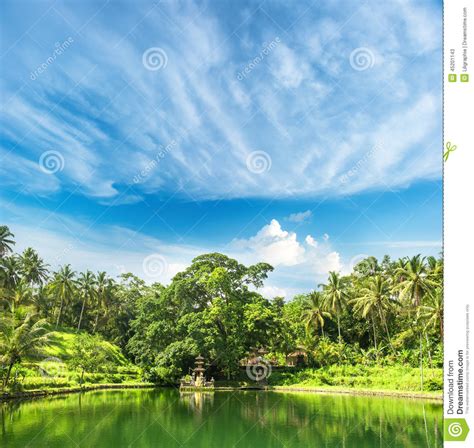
(52, 371)
(366, 378)
(61, 345)
(38, 393)
(438, 396)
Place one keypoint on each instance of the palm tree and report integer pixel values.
(433, 311)
(416, 283)
(87, 284)
(374, 301)
(398, 269)
(335, 297)
(9, 272)
(105, 286)
(33, 268)
(22, 334)
(435, 269)
(367, 266)
(414, 280)
(6, 241)
(315, 312)
(21, 295)
(63, 286)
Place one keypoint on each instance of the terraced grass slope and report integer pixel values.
(62, 344)
(52, 369)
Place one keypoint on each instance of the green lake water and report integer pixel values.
(166, 418)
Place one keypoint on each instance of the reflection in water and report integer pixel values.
(166, 418)
(196, 400)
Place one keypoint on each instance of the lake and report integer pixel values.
(166, 418)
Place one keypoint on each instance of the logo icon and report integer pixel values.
(51, 162)
(155, 265)
(362, 58)
(259, 162)
(155, 58)
(52, 367)
(455, 429)
(449, 149)
(259, 371)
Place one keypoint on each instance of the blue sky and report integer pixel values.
(307, 135)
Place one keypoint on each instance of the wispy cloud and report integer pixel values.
(127, 136)
(303, 104)
(418, 244)
(300, 216)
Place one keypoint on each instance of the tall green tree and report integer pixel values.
(6, 241)
(315, 312)
(374, 301)
(9, 273)
(432, 313)
(336, 295)
(415, 283)
(63, 287)
(33, 269)
(104, 292)
(435, 268)
(414, 280)
(208, 303)
(125, 295)
(367, 266)
(260, 322)
(87, 291)
(21, 295)
(154, 326)
(88, 355)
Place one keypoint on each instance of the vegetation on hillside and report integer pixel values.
(387, 313)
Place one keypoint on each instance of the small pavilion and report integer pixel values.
(198, 378)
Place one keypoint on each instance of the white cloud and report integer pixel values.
(14, 167)
(300, 216)
(282, 249)
(119, 112)
(413, 244)
(321, 257)
(422, 24)
(288, 68)
(327, 262)
(310, 241)
(270, 292)
(274, 245)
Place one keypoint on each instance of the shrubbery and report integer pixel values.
(362, 377)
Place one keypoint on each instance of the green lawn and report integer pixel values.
(51, 370)
(386, 378)
(62, 342)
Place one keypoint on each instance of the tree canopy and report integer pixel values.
(377, 313)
